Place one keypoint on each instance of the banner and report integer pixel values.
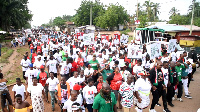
(88, 38)
(172, 45)
(154, 50)
(124, 39)
(44, 38)
(134, 51)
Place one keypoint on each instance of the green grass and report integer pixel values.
(5, 55)
(3, 50)
(125, 31)
(18, 74)
(22, 51)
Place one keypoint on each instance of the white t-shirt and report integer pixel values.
(52, 66)
(88, 94)
(19, 90)
(35, 90)
(88, 72)
(164, 59)
(52, 83)
(45, 51)
(82, 79)
(30, 74)
(125, 74)
(25, 64)
(72, 81)
(68, 105)
(166, 75)
(144, 86)
(137, 69)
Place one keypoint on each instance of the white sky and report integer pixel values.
(44, 10)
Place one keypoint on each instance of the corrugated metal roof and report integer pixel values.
(194, 28)
(169, 28)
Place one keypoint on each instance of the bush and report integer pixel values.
(125, 31)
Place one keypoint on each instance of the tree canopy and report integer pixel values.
(14, 14)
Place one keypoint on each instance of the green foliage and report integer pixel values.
(14, 13)
(60, 22)
(125, 31)
(180, 19)
(112, 17)
(143, 19)
(82, 16)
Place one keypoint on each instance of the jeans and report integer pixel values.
(52, 94)
(89, 107)
(189, 79)
(5, 95)
(180, 89)
(157, 94)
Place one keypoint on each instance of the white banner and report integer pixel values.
(44, 38)
(134, 51)
(154, 50)
(88, 38)
(172, 45)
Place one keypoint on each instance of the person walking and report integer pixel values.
(142, 91)
(105, 101)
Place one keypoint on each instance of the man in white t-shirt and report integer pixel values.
(45, 51)
(25, 64)
(52, 66)
(30, 73)
(52, 83)
(174, 57)
(73, 80)
(19, 88)
(72, 104)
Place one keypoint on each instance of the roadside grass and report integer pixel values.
(6, 53)
(22, 51)
(17, 74)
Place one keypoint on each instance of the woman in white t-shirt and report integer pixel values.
(52, 83)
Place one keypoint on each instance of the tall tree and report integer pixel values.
(156, 7)
(148, 5)
(14, 13)
(82, 16)
(60, 22)
(112, 17)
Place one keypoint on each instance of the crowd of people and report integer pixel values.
(95, 76)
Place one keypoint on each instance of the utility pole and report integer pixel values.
(192, 17)
(90, 13)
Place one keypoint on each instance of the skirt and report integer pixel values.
(37, 103)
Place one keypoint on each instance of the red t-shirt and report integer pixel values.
(74, 66)
(33, 57)
(116, 82)
(127, 60)
(42, 78)
(80, 62)
(39, 49)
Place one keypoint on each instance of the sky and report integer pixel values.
(44, 10)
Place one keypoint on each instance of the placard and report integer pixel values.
(154, 50)
(172, 45)
(134, 51)
(44, 38)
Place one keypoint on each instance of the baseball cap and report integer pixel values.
(76, 87)
(41, 66)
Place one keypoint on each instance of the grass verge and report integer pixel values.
(6, 54)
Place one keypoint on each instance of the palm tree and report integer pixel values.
(173, 11)
(156, 7)
(148, 6)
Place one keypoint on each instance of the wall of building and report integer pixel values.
(179, 34)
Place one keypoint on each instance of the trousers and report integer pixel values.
(156, 95)
(170, 93)
(180, 89)
(52, 94)
(185, 83)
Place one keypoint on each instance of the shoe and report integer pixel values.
(170, 104)
(152, 110)
(166, 110)
(176, 93)
(158, 104)
(192, 79)
(173, 98)
(188, 96)
(180, 99)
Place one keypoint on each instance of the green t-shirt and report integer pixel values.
(106, 73)
(63, 53)
(65, 59)
(102, 106)
(93, 64)
(179, 70)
